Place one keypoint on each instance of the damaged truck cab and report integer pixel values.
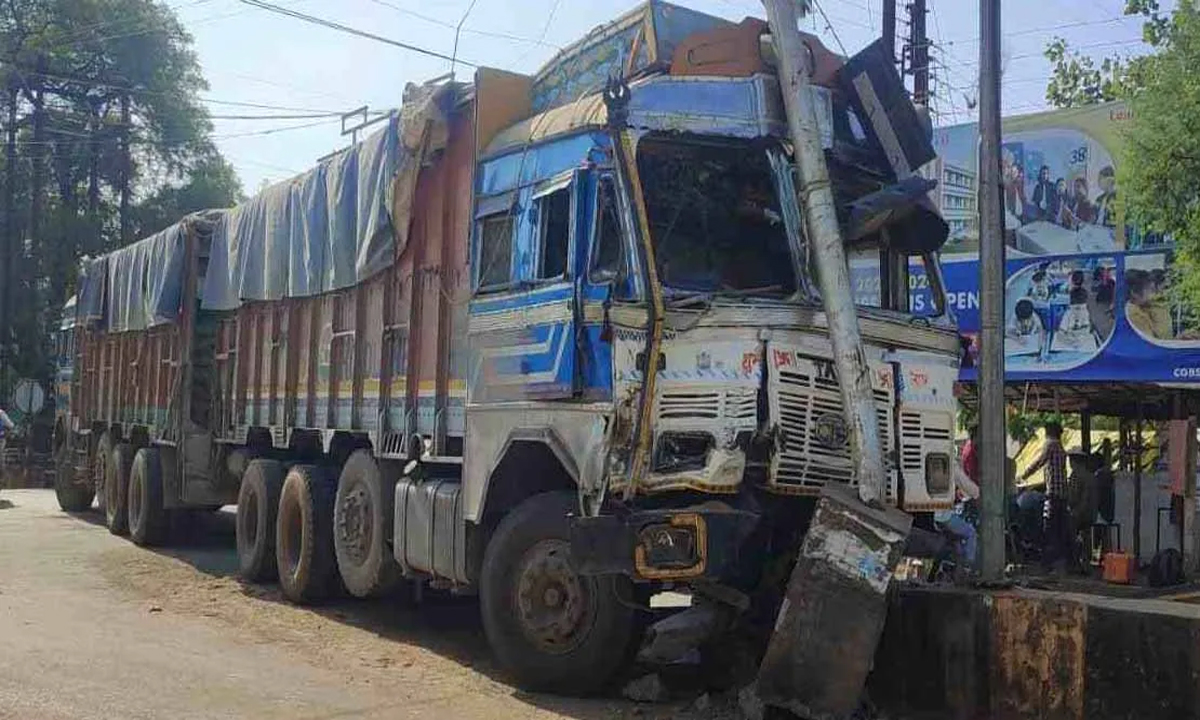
(645, 324)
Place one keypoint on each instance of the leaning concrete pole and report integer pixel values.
(828, 252)
(833, 611)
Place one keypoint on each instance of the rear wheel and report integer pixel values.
(304, 534)
(149, 521)
(362, 518)
(116, 488)
(257, 508)
(100, 460)
(73, 496)
(554, 629)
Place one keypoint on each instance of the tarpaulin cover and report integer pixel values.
(92, 281)
(330, 228)
(145, 281)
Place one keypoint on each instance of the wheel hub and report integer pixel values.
(553, 601)
(355, 523)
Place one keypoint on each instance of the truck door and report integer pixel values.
(524, 314)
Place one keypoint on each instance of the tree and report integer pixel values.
(1077, 79)
(109, 141)
(1161, 162)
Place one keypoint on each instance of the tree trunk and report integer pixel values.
(10, 231)
(126, 169)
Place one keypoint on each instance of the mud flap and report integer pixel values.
(832, 614)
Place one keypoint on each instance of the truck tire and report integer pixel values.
(116, 488)
(258, 505)
(72, 496)
(149, 521)
(100, 460)
(304, 534)
(362, 521)
(553, 629)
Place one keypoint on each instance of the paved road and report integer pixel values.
(94, 627)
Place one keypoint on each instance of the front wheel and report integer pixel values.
(552, 628)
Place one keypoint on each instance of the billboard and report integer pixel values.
(1088, 297)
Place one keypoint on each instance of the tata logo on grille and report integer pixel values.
(829, 430)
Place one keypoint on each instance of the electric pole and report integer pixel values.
(992, 440)
(919, 49)
(828, 252)
(889, 28)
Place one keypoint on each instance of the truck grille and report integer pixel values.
(735, 404)
(917, 430)
(799, 399)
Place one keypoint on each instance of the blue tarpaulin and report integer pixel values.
(326, 229)
(333, 226)
(144, 283)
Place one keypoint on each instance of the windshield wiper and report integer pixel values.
(749, 292)
(683, 300)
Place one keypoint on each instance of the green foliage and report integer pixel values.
(1077, 80)
(1162, 158)
(112, 143)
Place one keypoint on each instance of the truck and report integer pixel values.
(551, 340)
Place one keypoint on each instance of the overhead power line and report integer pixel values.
(294, 116)
(469, 31)
(145, 92)
(351, 31)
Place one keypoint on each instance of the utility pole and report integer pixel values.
(828, 253)
(889, 28)
(992, 438)
(919, 47)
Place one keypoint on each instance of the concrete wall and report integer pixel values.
(1028, 655)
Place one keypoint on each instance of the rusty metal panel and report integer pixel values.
(1038, 658)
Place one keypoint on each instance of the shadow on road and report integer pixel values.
(442, 623)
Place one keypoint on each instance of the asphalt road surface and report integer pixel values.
(93, 627)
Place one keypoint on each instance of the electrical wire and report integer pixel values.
(312, 19)
(23, 70)
(469, 31)
(830, 28)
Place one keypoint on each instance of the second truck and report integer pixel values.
(551, 340)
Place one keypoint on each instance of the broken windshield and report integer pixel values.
(715, 218)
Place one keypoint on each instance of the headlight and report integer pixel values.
(937, 474)
(680, 451)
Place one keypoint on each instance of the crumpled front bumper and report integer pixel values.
(706, 541)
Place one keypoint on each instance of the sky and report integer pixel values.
(288, 66)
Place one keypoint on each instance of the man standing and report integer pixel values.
(6, 427)
(970, 454)
(1054, 460)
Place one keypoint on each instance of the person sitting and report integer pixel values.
(1075, 329)
(1025, 332)
(1145, 313)
(954, 521)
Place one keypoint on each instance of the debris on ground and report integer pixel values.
(646, 689)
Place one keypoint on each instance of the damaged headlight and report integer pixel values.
(682, 451)
(937, 474)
